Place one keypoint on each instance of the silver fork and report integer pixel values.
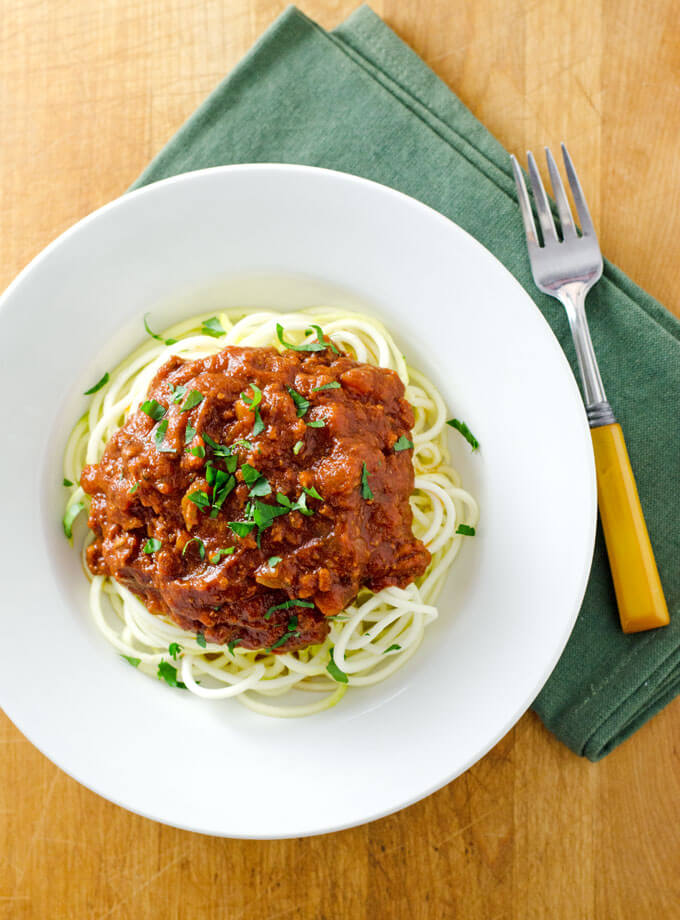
(567, 268)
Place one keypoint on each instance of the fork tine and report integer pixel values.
(585, 221)
(566, 220)
(524, 203)
(542, 206)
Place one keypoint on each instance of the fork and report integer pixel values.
(567, 268)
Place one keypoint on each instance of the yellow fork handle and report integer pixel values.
(636, 578)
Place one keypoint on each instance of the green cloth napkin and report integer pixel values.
(358, 99)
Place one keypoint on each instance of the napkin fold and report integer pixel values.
(357, 99)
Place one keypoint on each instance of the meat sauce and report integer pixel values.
(206, 518)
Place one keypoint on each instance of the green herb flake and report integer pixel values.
(327, 342)
(465, 431)
(133, 489)
(153, 409)
(199, 543)
(216, 556)
(242, 528)
(67, 483)
(280, 641)
(212, 327)
(232, 645)
(174, 649)
(98, 385)
(317, 423)
(264, 514)
(366, 492)
(197, 451)
(465, 530)
(287, 605)
(168, 673)
(333, 385)
(70, 515)
(200, 639)
(135, 662)
(402, 444)
(253, 402)
(297, 447)
(200, 499)
(301, 404)
(313, 493)
(273, 561)
(152, 545)
(178, 392)
(194, 399)
(392, 648)
(189, 434)
(159, 438)
(308, 346)
(159, 338)
(335, 671)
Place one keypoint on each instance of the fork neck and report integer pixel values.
(573, 298)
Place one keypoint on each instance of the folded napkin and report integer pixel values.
(358, 99)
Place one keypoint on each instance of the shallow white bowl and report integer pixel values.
(290, 236)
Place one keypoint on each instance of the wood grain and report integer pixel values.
(89, 90)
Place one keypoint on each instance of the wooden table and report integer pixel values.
(89, 90)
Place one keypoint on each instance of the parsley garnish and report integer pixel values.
(264, 515)
(253, 402)
(280, 641)
(159, 338)
(135, 662)
(198, 451)
(392, 648)
(317, 423)
(466, 530)
(189, 434)
(174, 649)
(321, 345)
(67, 482)
(223, 450)
(295, 602)
(335, 671)
(201, 499)
(70, 515)
(222, 483)
(212, 327)
(98, 385)
(133, 489)
(153, 409)
(193, 399)
(322, 337)
(168, 673)
(216, 556)
(465, 431)
(273, 561)
(200, 639)
(365, 488)
(177, 392)
(403, 444)
(333, 385)
(242, 528)
(200, 544)
(312, 493)
(232, 645)
(259, 486)
(301, 404)
(159, 437)
(297, 447)
(300, 505)
(152, 545)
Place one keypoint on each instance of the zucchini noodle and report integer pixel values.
(374, 636)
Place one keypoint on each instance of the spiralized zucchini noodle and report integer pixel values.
(374, 636)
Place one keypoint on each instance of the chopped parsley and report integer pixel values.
(465, 431)
(317, 423)
(70, 515)
(257, 483)
(333, 385)
(264, 514)
(365, 488)
(212, 327)
(273, 561)
(67, 483)
(153, 409)
(200, 499)
(301, 404)
(189, 434)
(98, 385)
(152, 545)
(308, 346)
(232, 645)
(253, 403)
(159, 437)
(197, 451)
(133, 489)
(322, 338)
(178, 392)
(403, 444)
(392, 648)
(297, 447)
(300, 505)
(159, 338)
(222, 484)
(200, 639)
(216, 556)
(199, 543)
(174, 649)
(287, 605)
(466, 530)
(280, 641)
(335, 671)
(242, 528)
(135, 662)
(312, 493)
(168, 673)
(193, 399)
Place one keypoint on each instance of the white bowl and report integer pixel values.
(290, 236)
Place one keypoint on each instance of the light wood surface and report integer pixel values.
(89, 90)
